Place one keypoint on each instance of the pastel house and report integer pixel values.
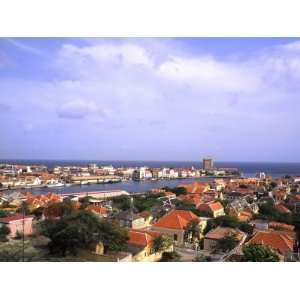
(17, 223)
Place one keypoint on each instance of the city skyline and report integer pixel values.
(132, 99)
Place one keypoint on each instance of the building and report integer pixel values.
(140, 244)
(214, 208)
(17, 223)
(212, 238)
(208, 163)
(174, 224)
(131, 220)
(280, 241)
(100, 211)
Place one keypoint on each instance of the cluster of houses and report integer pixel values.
(236, 197)
(30, 176)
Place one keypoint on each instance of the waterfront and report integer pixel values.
(274, 169)
(129, 186)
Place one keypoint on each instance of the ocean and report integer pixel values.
(247, 168)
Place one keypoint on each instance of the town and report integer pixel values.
(232, 218)
(37, 176)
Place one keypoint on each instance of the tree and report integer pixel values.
(146, 202)
(170, 257)
(3, 213)
(82, 230)
(192, 231)
(227, 221)
(4, 232)
(162, 243)
(246, 227)
(122, 202)
(227, 243)
(202, 258)
(273, 184)
(179, 190)
(259, 253)
(57, 210)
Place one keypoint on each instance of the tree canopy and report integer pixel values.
(82, 230)
(259, 253)
(162, 243)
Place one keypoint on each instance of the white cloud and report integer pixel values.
(131, 94)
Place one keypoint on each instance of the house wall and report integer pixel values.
(138, 223)
(171, 233)
(218, 213)
(17, 226)
(209, 245)
(147, 256)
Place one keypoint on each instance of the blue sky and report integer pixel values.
(236, 99)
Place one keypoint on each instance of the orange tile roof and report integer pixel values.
(100, 210)
(196, 199)
(221, 232)
(211, 206)
(245, 216)
(283, 209)
(18, 217)
(281, 226)
(196, 187)
(280, 241)
(176, 219)
(142, 238)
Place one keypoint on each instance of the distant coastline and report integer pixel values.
(274, 169)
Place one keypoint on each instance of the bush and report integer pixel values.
(259, 253)
(170, 257)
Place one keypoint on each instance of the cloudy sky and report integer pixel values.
(150, 99)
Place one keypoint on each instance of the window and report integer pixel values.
(175, 237)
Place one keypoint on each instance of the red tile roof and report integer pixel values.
(221, 232)
(176, 219)
(280, 241)
(283, 209)
(196, 187)
(14, 218)
(100, 210)
(211, 206)
(142, 238)
(281, 226)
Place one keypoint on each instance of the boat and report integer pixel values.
(58, 184)
(84, 182)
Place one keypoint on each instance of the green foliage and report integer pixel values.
(121, 202)
(273, 185)
(192, 231)
(85, 200)
(186, 205)
(24, 208)
(3, 213)
(4, 231)
(146, 202)
(19, 235)
(245, 227)
(14, 253)
(259, 253)
(179, 190)
(82, 230)
(170, 257)
(202, 258)
(162, 243)
(57, 210)
(267, 211)
(227, 243)
(38, 212)
(228, 221)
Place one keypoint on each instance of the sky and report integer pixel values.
(177, 99)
